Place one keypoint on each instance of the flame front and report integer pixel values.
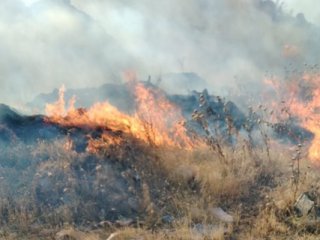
(308, 112)
(164, 120)
(302, 100)
(155, 121)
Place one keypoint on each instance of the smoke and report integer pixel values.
(52, 43)
(307, 6)
(87, 43)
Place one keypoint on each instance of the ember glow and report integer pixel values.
(155, 121)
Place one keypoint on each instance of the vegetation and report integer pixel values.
(234, 184)
(177, 190)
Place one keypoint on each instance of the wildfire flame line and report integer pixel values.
(302, 96)
(155, 121)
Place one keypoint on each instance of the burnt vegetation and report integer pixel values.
(77, 180)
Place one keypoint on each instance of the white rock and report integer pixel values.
(304, 204)
(221, 215)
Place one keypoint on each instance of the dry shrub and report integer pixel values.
(214, 179)
(180, 232)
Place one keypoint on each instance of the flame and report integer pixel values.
(155, 121)
(308, 112)
(302, 101)
(58, 108)
(161, 117)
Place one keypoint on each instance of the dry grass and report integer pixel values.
(257, 190)
(253, 185)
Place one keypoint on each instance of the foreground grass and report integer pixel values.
(257, 187)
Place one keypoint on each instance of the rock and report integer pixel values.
(221, 215)
(167, 219)
(105, 224)
(303, 204)
(124, 222)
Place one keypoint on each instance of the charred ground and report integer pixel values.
(98, 180)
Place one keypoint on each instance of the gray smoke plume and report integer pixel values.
(87, 43)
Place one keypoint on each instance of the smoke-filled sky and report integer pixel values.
(81, 43)
(310, 8)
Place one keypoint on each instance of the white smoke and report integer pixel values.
(79, 43)
(309, 7)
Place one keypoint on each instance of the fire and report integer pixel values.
(161, 116)
(307, 108)
(58, 108)
(156, 120)
(302, 101)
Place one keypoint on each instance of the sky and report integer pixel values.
(310, 8)
(81, 43)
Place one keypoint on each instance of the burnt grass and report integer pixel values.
(47, 184)
(51, 185)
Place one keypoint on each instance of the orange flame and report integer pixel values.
(302, 98)
(156, 120)
(309, 114)
(58, 108)
(163, 118)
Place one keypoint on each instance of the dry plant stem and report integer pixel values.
(295, 167)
